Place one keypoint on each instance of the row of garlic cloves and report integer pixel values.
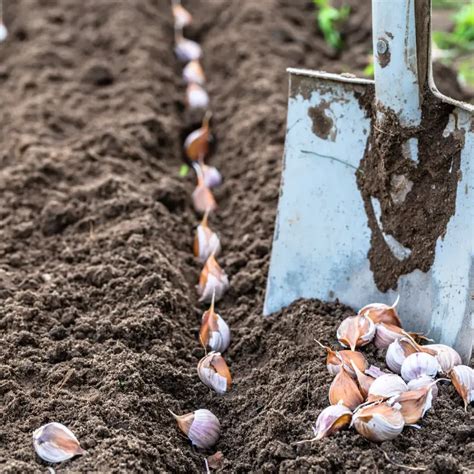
(201, 426)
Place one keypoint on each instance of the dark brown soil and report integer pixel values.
(99, 312)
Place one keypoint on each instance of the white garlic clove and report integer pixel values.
(203, 199)
(213, 281)
(55, 442)
(462, 378)
(382, 313)
(418, 364)
(398, 351)
(421, 382)
(378, 422)
(187, 50)
(196, 97)
(3, 32)
(182, 17)
(386, 333)
(356, 331)
(214, 331)
(332, 419)
(446, 356)
(202, 427)
(193, 72)
(344, 390)
(386, 386)
(211, 175)
(214, 372)
(206, 242)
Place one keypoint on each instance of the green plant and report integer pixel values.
(329, 21)
(462, 36)
(369, 69)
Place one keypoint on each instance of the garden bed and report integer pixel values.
(99, 313)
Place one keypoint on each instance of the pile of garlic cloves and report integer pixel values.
(379, 404)
(201, 426)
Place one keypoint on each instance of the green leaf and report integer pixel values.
(184, 170)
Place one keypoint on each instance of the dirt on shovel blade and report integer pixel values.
(99, 313)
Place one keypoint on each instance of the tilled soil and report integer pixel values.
(99, 311)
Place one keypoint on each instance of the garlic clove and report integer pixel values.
(3, 32)
(211, 175)
(213, 281)
(203, 199)
(181, 16)
(206, 242)
(462, 378)
(187, 50)
(54, 442)
(398, 351)
(374, 372)
(196, 144)
(344, 390)
(415, 403)
(332, 419)
(418, 364)
(424, 381)
(196, 97)
(382, 313)
(335, 359)
(446, 356)
(386, 333)
(378, 421)
(386, 386)
(214, 372)
(356, 331)
(193, 72)
(364, 381)
(202, 427)
(214, 331)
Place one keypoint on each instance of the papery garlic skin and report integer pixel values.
(206, 242)
(214, 332)
(335, 359)
(202, 427)
(446, 356)
(356, 331)
(386, 386)
(214, 372)
(213, 281)
(423, 381)
(196, 97)
(365, 381)
(415, 403)
(332, 419)
(193, 72)
(382, 313)
(418, 364)
(462, 378)
(187, 50)
(378, 422)
(385, 334)
(344, 390)
(55, 442)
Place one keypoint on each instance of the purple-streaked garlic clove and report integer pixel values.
(193, 73)
(332, 419)
(187, 50)
(214, 332)
(418, 364)
(213, 281)
(214, 372)
(196, 97)
(462, 378)
(201, 426)
(356, 331)
(446, 356)
(382, 313)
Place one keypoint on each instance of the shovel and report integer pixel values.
(377, 191)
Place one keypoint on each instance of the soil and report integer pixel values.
(99, 313)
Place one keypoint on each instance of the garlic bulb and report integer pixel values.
(398, 351)
(378, 421)
(193, 72)
(187, 50)
(446, 356)
(196, 97)
(214, 372)
(206, 242)
(213, 281)
(182, 17)
(203, 199)
(335, 359)
(418, 364)
(196, 144)
(415, 403)
(356, 331)
(211, 175)
(202, 427)
(364, 381)
(344, 390)
(421, 382)
(386, 333)
(386, 386)
(382, 313)
(462, 377)
(214, 331)
(56, 443)
(332, 419)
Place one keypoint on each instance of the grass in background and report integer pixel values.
(330, 20)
